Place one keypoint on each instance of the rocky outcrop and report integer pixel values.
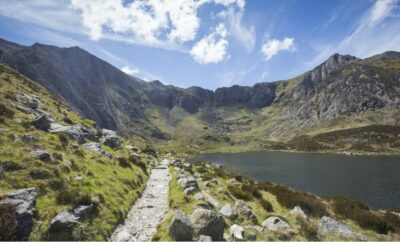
(274, 223)
(207, 222)
(110, 138)
(21, 204)
(328, 224)
(181, 227)
(76, 132)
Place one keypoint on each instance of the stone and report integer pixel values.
(205, 238)
(42, 155)
(275, 223)
(207, 222)
(29, 138)
(42, 122)
(29, 101)
(181, 227)
(23, 201)
(236, 232)
(211, 200)
(227, 211)
(328, 224)
(83, 211)
(76, 132)
(65, 220)
(96, 147)
(298, 211)
(110, 138)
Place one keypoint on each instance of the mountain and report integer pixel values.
(342, 93)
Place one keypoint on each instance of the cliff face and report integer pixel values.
(342, 86)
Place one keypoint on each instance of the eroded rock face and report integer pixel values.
(207, 222)
(23, 203)
(275, 223)
(331, 225)
(181, 227)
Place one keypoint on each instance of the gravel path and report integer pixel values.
(147, 212)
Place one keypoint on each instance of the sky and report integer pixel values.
(208, 43)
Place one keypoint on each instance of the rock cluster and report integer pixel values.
(328, 224)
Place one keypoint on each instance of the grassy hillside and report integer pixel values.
(74, 175)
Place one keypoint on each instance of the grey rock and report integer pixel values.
(214, 202)
(227, 211)
(181, 227)
(236, 232)
(96, 147)
(76, 132)
(110, 138)
(274, 223)
(190, 190)
(29, 101)
(298, 211)
(42, 122)
(83, 211)
(63, 221)
(24, 202)
(242, 209)
(207, 222)
(328, 224)
(205, 238)
(42, 155)
(199, 197)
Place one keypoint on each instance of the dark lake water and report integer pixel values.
(374, 180)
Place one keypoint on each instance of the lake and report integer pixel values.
(374, 180)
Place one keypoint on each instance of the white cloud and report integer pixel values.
(245, 35)
(272, 47)
(209, 49)
(130, 70)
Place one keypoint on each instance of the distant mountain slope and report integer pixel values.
(343, 92)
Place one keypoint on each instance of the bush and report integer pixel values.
(63, 138)
(123, 162)
(8, 223)
(201, 169)
(266, 205)
(289, 198)
(239, 193)
(40, 173)
(359, 212)
(57, 184)
(6, 112)
(137, 161)
(150, 151)
(252, 190)
(393, 220)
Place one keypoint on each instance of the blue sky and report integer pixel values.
(208, 43)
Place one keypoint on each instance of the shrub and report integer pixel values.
(239, 193)
(308, 230)
(359, 212)
(40, 173)
(123, 162)
(10, 96)
(252, 190)
(63, 138)
(266, 205)
(8, 222)
(5, 111)
(201, 169)
(137, 161)
(393, 220)
(150, 151)
(57, 183)
(289, 198)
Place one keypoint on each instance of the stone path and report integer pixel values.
(148, 211)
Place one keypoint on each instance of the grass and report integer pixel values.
(112, 188)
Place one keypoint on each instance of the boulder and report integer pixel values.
(211, 200)
(328, 224)
(23, 201)
(199, 197)
(205, 238)
(42, 122)
(76, 132)
(110, 138)
(236, 232)
(65, 220)
(299, 212)
(96, 147)
(207, 222)
(275, 223)
(190, 190)
(42, 155)
(181, 227)
(227, 211)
